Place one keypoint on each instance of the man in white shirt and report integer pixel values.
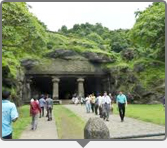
(100, 104)
(106, 102)
(87, 104)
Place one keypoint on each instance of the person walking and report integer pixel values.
(130, 98)
(121, 103)
(49, 106)
(100, 104)
(34, 112)
(112, 103)
(92, 102)
(106, 102)
(9, 115)
(42, 103)
(87, 104)
(82, 100)
(96, 105)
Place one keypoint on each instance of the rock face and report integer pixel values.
(72, 55)
(62, 66)
(61, 53)
(97, 57)
(96, 129)
(29, 63)
(126, 80)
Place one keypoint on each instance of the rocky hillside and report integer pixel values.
(135, 58)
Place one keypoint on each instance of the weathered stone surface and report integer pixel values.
(61, 66)
(61, 53)
(96, 129)
(29, 63)
(65, 54)
(97, 57)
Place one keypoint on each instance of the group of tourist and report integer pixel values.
(37, 108)
(102, 105)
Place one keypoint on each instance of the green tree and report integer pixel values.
(119, 40)
(20, 28)
(22, 33)
(149, 30)
(64, 29)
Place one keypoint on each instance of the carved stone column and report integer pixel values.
(28, 88)
(55, 81)
(20, 92)
(80, 86)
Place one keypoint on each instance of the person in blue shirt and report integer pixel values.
(121, 102)
(42, 104)
(9, 115)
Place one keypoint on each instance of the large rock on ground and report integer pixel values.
(96, 129)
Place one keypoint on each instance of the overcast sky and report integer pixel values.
(113, 15)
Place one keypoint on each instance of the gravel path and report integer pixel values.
(127, 128)
(45, 130)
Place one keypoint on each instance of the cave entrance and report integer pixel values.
(41, 85)
(67, 87)
(93, 85)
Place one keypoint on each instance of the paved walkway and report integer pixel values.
(45, 130)
(127, 128)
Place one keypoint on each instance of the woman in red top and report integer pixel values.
(34, 112)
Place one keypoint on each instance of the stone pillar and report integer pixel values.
(80, 86)
(28, 89)
(55, 81)
(20, 92)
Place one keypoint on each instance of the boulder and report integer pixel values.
(97, 57)
(61, 53)
(29, 63)
(96, 129)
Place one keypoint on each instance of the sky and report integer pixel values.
(113, 15)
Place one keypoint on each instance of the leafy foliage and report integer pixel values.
(149, 30)
(119, 40)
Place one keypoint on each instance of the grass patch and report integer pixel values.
(23, 121)
(150, 113)
(69, 125)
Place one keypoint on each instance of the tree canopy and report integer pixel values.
(149, 30)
